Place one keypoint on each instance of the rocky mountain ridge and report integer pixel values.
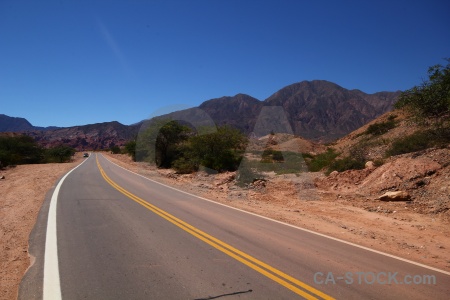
(318, 110)
(88, 137)
(15, 124)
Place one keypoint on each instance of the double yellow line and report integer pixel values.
(295, 285)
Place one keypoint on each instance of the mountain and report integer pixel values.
(239, 111)
(12, 124)
(323, 110)
(317, 110)
(87, 137)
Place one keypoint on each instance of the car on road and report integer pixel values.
(86, 155)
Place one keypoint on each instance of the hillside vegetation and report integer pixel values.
(419, 122)
(170, 144)
(21, 149)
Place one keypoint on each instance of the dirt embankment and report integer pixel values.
(22, 193)
(344, 205)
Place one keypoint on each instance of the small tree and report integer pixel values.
(159, 142)
(115, 149)
(19, 150)
(431, 100)
(130, 149)
(277, 156)
(380, 128)
(167, 143)
(218, 150)
(60, 153)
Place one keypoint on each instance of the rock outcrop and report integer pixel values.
(395, 196)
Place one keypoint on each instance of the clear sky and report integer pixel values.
(77, 62)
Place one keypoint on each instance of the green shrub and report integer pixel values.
(412, 143)
(430, 100)
(420, 140)
(307, 156)
(19, 150)
(221, 150)
(266, 156)
(59, 154)
(184, 166)
(270, 155)
(130, 149)
(380, 128)
(378, 162)
(440, 136)
(115, 149)
(277, 156)
(320, 161)
(392, 117)
(346, 163)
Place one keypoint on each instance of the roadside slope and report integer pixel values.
(22, 193)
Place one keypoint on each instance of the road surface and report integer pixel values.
(118, 235)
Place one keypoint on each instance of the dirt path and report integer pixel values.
(22, 193)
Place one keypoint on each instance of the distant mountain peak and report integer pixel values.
(236, 98)
(318, 109)
(323, 110)
(14, 124)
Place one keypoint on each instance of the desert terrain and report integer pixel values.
(342, 205)
(22, 191)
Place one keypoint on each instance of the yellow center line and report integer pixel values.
(257, 265)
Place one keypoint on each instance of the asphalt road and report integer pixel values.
(122, 236)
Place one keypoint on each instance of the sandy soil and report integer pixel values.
(22, 193)
(403, 229)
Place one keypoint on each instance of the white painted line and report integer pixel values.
(290, 225)
(52, 287)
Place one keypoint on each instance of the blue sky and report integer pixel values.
(67, 63)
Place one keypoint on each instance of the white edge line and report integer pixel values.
(52, 287)
(290, 225)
